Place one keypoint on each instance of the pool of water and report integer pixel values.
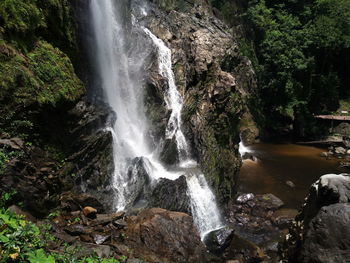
(275, 164)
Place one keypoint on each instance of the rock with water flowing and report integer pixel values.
(201, 48)
(171, 195)
(218, 240)
(138, 181)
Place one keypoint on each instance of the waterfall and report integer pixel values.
(120, 74)
(243, 149)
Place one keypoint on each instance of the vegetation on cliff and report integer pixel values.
(301, 54)
(35, 73)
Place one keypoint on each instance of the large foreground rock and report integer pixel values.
(320, 233)
(158, 235)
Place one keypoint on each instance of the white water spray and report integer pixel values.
(243, 149)
(119, 74)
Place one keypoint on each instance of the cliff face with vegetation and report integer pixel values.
(300, 51)
(213, 77)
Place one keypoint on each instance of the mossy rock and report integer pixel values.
(23, 22)
(42, 77)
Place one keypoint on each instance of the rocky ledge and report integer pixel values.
(154, 235)
(320, 232)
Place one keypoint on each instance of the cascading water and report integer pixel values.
(120, 79)
(243, 149)
(203, 205)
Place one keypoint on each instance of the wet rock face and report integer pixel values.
(171, 195)
(89, 167)
(217, 241)
(138, 182)
(319, 231)
(209, 74)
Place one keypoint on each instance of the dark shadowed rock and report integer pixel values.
(243, 250)
(73, 202)
(169, 154)
(138, 183)
(13, 143)
(320, 231)
(327, 239)
(104, 219)
(171, 195)
(269, 201)
(218, 240)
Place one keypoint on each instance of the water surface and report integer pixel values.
(278, 163)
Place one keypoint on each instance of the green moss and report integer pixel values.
(44, 76)
(24, 22)
(20, 16)
(55, 75)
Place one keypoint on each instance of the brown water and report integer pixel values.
(278, 163)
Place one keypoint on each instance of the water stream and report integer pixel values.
(120, 74)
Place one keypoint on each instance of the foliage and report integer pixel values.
(301, 53)
(20, 16)
(55, 74)
(23, 241)
(302, 49)
(23, 22)
(17, 237)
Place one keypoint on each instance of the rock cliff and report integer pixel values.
(213, 78)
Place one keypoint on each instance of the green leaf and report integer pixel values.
(39, 256)
(4, 239)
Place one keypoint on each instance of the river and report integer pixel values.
(275, 164)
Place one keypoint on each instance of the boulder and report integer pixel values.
(346, 141)
(340, 150)
(243, 250)
(342, 129)
(327, 239)
(105, 219)
(320, 231)
(269, 202)
(13, 143)
(158, 235)
(218, 240)
(171, 195)
(290, 184)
